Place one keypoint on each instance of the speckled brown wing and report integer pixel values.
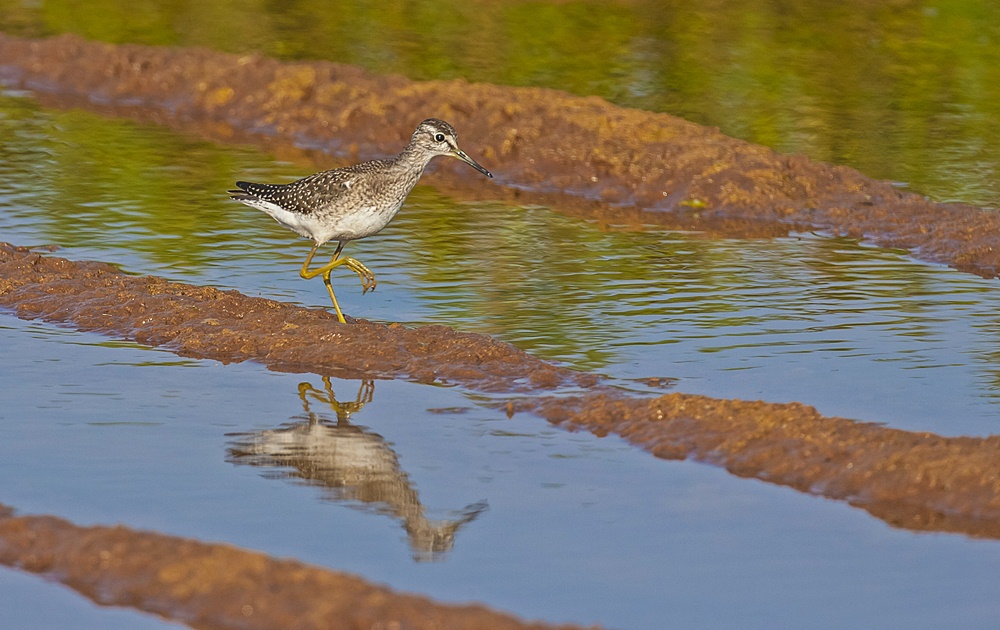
(304, 196)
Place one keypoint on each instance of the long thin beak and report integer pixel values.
(460, 154)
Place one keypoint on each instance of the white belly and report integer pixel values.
(321, 229)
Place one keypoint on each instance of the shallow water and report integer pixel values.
(904, 91)
(24, 605)
(628, 540)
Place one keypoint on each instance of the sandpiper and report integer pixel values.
(352, 202)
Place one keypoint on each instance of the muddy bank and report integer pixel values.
(581, 155)
(204, 322)
(216, 586)
(919, 481)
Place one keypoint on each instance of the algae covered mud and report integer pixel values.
(456, 425)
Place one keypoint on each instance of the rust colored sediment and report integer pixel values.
(217, 586)
(919, 481)
(580, 154)
(204, 322)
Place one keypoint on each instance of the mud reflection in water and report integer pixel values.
(353, 463)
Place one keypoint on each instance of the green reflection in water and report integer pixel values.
(566, 290)
(86, 181)
(902, 91)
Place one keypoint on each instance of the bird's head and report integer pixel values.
(437, 137)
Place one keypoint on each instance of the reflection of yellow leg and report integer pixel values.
(305, 388)
(367, 277)
(343, 409)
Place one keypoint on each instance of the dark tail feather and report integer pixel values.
(243, 193)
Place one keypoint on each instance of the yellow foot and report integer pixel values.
(368, 282)
(367, 277)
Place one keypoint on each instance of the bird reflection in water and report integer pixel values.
(354, 465)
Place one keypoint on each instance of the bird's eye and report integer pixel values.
(439, 137)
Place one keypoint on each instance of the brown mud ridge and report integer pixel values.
(919, 481)
(580, 155)
(206, 323)
(216, 586)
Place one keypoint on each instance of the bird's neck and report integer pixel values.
(413, 159)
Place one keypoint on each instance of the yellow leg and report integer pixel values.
(367, 277)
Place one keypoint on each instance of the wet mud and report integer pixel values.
(220, 587)
(204, 322)
(581, 155)
(916, 481)
(919, 481)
